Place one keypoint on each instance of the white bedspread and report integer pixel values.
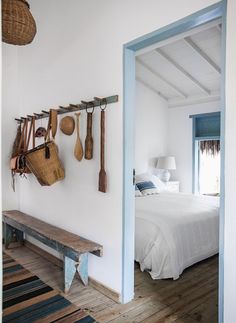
(174, 231)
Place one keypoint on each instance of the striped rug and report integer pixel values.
(26, 298)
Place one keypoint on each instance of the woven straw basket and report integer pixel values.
(18, 25)
(47, 170)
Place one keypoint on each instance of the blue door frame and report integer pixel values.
(188, 23)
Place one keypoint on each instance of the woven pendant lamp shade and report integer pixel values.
(18, 25)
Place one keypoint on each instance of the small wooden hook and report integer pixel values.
(73, 105)
(98, 99)
(38, 114)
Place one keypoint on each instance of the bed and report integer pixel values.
(174, 231)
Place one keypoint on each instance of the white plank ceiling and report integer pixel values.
(186, 71)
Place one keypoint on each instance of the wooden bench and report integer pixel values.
(74, 248)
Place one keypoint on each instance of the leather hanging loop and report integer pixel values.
(103, 102)
(90, 105)
(47, 134)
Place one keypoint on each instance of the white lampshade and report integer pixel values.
(167, 162)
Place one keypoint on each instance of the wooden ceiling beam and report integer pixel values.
(151, 88)
(178, 91)
(197, 99)
(201, 53)
(178, 37)
(183, 71)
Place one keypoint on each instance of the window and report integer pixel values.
(206, 153)
(209, 167)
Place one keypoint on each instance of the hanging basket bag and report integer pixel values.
(18, 25)
(44, 162)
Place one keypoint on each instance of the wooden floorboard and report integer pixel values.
(190, 299)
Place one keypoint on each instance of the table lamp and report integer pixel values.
(166, 163)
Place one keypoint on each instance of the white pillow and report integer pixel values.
(160, 186)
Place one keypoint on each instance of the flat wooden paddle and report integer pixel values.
(102, 186)
(78, 151)
(89, 138)
(54, 122)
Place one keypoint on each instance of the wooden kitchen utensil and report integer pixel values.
(89, 138)
(102, 186)
(67, 125)
(78, 151)
(54, 122)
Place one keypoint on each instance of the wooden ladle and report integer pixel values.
(78, 151)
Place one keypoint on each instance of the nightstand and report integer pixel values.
(172, 186)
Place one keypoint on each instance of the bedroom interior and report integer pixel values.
(70, 95)
(177, 167)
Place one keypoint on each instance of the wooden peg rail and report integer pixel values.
(74, 107)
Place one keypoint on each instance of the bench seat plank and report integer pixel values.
(58, 237)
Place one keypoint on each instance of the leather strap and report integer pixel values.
(33, 136)
(47, 134)
(25, 135)
(32, 127)
(21, 138)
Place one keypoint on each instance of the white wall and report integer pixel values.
(77, 53)
(161, 131)
(10, 106)
(150, 128)
(230, 169)
(180, 140)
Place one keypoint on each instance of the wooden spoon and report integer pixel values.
(89, 139)
(102, 186)
(78, 151)
(54, 122)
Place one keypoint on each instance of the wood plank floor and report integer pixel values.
(190, 299)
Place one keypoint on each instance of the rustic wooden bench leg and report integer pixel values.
(69, 272)
(8, 234)
(82, 268)
(70, 268)
(19, 235)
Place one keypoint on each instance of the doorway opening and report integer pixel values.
(198, 20)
